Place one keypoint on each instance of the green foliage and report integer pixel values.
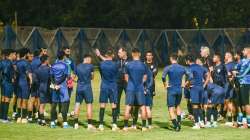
(127, 13)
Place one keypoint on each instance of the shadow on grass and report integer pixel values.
(164, 125)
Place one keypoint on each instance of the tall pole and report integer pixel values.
(16, 27)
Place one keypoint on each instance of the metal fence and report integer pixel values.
(161, 42)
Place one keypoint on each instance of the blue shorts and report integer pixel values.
(108, 94)
(205, 97)
(174, 95)
(84, 92)
(196, 94)
(149, 99)
(217, 97)
(44, 94)
(61, 95)
(7, 89)
(230, 92)
(23, 90)
(34, 87)
(135, 98)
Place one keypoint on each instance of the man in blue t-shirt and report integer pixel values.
(23, 84)
(136, 76)
(85, 73)
(59, 74)
(199, 80)
(108, 90)
(243, 77)
(174, 85)
(7, 72)
(34, 95)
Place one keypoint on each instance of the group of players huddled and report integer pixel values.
(214, 88)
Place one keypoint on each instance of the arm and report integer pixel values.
(245, 72)
(126, 77)
(207, 79)
(164, 74)
(98, 53)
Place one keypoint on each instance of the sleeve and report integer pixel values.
(164, 74)
(126, 71)
(188, 73)
(92, 68)
(28, 68)
(72, 65)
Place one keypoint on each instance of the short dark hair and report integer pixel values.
(190, 58)
(135, 50)
(65, 48)
(86, 56)
(60, 55)
(109, 52)
(44, 58)
(7, 52)
(149, 52)
(174, 56)
(23, 52)
(218, 55)
(122, 48)
(37, 52)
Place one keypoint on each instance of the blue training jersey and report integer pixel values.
(59, 72)
(7, 70)
(84, 73)
(36, 62)
(244, 71)
(23, 68)
(198, 74)
(43, 74)
(109, 72)
(175, 73)
(136, 71)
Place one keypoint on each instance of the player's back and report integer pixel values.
(36, 62)
(198, 74)
(175, 74)
(7, 70)
(109, 71)
(43, 74)
(22, 67)
(59, 71)
(136, 70)
(84, 73)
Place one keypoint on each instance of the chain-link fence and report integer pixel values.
(161, 42)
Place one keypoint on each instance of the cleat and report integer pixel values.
(196, 127)
(143, 129)
(19, 120)
(91, 127)
(150, 127)
(52, 125)
(30, 120)
(6, 121)
(14, 115)
(114, 127)
(230, 124)
(76, 126)
(214, 124)
(101, 127)
(24, 121)
(134, 127)
(178, 129)
(208, 125)
(66, 125)
(202, 125)
(125, 129)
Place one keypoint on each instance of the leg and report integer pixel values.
(126, 116)
(149, 116)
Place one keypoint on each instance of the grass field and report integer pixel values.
(161, 131)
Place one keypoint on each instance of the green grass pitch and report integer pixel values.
(160, 122)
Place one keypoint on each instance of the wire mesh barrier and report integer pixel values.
(161, 42)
